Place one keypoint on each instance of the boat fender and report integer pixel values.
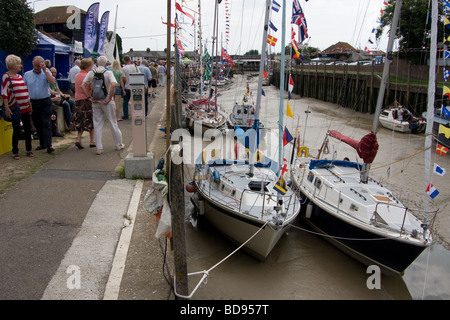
(301, 150)
(216, 176)
(309, 208)
(190, 187)
(203, 156)
(259, 156)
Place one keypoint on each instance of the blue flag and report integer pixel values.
(103, 30)
(438, 170)
(272, 26)
(90, 29)
(287, 137)
(275, 6)
(445, 112)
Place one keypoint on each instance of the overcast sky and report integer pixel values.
(329, 21)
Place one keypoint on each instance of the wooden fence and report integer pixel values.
(356, 87)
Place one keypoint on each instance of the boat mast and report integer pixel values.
(387, 65)
(200, 44)
(282, 71)
(431, 101)
(214, 39)
(260, 78)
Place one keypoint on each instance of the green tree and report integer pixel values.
(18, 33)
(252, 52)
(414, 28)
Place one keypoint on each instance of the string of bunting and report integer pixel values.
(443, 138)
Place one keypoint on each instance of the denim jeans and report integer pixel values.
(42, 120)
(68, 107)
(126, 100)
(26, 121)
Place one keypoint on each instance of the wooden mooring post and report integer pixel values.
(176, 175)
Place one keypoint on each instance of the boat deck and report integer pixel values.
(231, 187)
(339, 190)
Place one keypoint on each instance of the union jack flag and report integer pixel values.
(298, 18)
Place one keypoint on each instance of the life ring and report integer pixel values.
(300, 151)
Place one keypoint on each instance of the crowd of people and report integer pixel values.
(37, 93)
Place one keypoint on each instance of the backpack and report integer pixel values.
(99, 91)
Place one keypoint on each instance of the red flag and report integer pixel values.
(180, 47)
(291, 83)
(178, 7)
(265, 75)
(441, 150)
(172, 25)
(225, 56)
(272, 40)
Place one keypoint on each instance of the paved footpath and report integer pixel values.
(67, 230)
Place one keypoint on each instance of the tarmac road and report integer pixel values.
(60, 228)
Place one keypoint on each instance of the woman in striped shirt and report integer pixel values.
(15, 91)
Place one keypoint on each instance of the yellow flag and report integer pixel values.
(446, 91)
(444, 135)
(289, 111)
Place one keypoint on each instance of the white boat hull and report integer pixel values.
(240, 212)
(239, 229)
(363, 220)
(389, 120)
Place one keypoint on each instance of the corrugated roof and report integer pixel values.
(54, 15)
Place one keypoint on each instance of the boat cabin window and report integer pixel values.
(318, 183)
(384, 113)
(310, 177)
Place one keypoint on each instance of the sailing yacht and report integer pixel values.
(246, 200)
(354, 212)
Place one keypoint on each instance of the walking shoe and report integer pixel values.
(120, 147)
(99, 152)
(58, 134)
(50, 150)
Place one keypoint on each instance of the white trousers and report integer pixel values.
(99, 112)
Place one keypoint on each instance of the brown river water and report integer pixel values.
(303, 265)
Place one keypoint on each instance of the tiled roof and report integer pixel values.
(54, 15)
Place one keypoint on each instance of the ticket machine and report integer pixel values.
(139, 163)
(137, 108)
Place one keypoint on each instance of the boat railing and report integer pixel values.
(376, 218)
(286, 199)
(379, 222)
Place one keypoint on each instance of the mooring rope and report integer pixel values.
(206, 272)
